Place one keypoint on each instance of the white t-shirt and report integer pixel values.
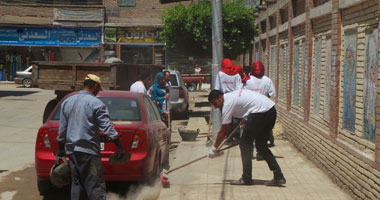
(197, 70)
(241, 103)
(167, 103)
(263, 85)
(227, 83)
(138, 87)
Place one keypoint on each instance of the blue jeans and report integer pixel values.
(257, 128)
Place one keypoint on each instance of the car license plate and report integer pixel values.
(101, 146)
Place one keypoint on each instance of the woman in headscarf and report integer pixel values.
(159, 92)
(260, 83)
(227, 79)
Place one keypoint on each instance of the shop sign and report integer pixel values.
(49, 36)
(64, 14)
(133, 35)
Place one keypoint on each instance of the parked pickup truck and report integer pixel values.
(191, 80)
(66, 77)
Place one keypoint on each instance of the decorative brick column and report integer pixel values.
(291, 45)
(336, 20)
(277, 81)
(260, 42)
(377, 143)
(309, 49)
(267, 48)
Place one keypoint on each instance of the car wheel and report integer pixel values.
(191, 87)
(166, 161)
(27, 82)
(156, 173)
(44, 186)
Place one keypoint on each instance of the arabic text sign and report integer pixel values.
(49, 36)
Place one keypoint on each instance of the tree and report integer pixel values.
(188, 29)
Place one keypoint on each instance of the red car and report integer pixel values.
(143, 134)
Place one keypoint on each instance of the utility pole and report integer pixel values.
(217, 56)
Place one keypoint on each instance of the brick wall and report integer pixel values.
(26, 15)
(146, 12)
(320, 73)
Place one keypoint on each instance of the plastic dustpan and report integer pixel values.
(124, 158)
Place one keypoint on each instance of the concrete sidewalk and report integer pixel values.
(210, 178)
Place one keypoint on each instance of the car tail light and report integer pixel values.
(140, 140)
(43, 138)
(181, 92)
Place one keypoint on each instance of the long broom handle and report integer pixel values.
(209, 123)
(232, 134)
(200, 158)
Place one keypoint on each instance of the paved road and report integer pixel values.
(21, 116)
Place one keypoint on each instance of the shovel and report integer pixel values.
(122, 158)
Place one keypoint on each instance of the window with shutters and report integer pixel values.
(126, 3)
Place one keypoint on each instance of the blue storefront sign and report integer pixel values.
(32, 36)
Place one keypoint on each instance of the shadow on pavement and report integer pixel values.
(180, 116)
(200, 113)
(255, 181)
(16, 93)
(59, 194)
(202, 104)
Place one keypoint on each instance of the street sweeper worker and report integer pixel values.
(82, 117)
(227, 79)
(260, 114)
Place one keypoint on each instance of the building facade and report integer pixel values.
(323, 56)
(80, 30)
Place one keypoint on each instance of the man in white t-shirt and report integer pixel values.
(140, 85)
(260, 114)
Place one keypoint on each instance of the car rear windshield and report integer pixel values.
(120, 109)
(173, 80)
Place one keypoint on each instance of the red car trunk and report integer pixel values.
(142, 138)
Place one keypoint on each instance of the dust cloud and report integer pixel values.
(140, 192)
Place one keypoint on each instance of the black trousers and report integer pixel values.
(87, 177)
(257, 128)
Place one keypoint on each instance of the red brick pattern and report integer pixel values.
(350, 161)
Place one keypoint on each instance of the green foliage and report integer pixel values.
(188, 29)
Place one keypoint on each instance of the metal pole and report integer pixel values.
(217, 56)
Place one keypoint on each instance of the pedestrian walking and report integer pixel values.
(262, 84)
(82, 117)
(197, 70)
(227, 79)
(141, 85)
(260, 114)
